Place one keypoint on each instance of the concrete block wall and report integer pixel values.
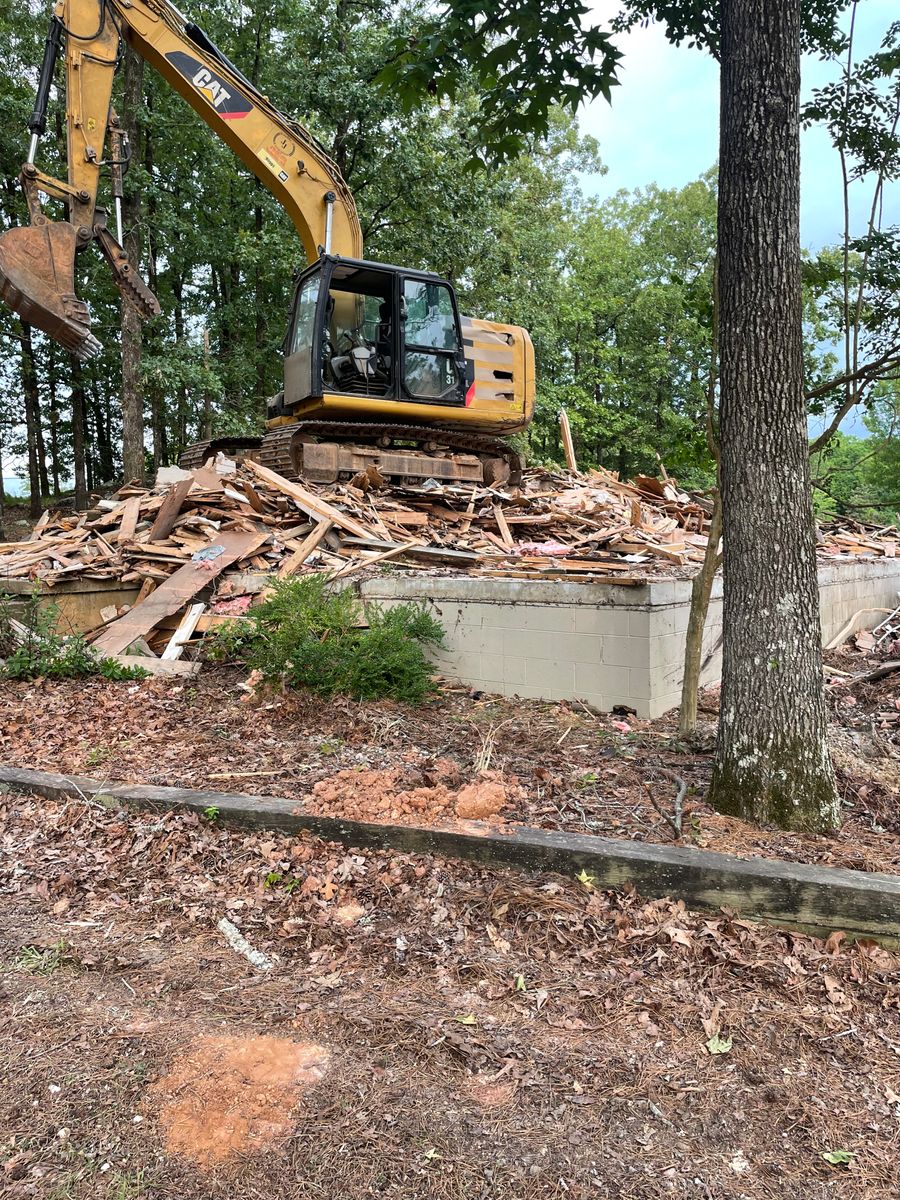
(602, 643)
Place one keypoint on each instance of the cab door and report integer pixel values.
(302, 351)
(433, 367)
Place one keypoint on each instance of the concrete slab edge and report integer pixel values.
(814, 899)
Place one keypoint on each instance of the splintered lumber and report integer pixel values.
(168, 513)
(311, 504)
(565, 430)
(172, 595)
(184, 632)
(130, 517)
(305, 549)
(502, 525)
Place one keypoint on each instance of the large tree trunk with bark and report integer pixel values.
(772, 762)
(132, 394)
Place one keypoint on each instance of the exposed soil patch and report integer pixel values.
(225, 1096)
(431, 795)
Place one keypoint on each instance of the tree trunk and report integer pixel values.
(772, 760)
(32, 421)
(53, 391)
(132, 397)
(79, 418)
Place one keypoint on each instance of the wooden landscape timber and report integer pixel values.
(818, 900)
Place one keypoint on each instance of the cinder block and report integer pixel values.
(553, 673)
(641, 623)
(514, 670)
(549, 618)
(601, 620)
(662, 621)
(609, 681)
(664, 651)
(682, 616)
(626, 652)
(641, 684)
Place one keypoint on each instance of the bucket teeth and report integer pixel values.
(37, 281)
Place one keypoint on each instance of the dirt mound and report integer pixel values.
(230, 1095)
(387, 796)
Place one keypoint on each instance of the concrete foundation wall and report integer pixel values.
(600, 643)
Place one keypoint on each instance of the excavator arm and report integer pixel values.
(37, 261)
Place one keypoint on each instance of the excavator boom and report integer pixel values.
(37, 261)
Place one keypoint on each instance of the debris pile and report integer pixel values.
(237, 525)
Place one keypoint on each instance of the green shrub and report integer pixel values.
(31, 647)
(313, 635)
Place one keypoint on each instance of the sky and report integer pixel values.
(662, 125)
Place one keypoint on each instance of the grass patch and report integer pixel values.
(44, 960)
(311, 634)
(31, 647)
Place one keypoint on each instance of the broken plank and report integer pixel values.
(171, 507)
(130, 517)
(502, 525)
(172, 595)
(304, 550)
(184, 632)
(156, 666)
(312, 505)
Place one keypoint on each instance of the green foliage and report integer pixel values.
(211, 813)
(313, 635)
(860, 477)
(31, 647)
(525, 59)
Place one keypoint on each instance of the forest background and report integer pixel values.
(617, 295)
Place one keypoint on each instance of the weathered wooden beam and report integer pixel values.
(816, 899)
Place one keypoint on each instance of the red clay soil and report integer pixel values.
(379, 796)
(225, 1096)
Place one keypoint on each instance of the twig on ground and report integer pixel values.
(674, 821)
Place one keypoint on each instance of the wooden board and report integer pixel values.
(168, 513)
(172, 595)
(312, 505)
(183, 633)
(794, 895)
(130, 516)
(305, 549)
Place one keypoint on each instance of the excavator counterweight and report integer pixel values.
(37, 281)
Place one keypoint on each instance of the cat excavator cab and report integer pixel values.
(380, 369)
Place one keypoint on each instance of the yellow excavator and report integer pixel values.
(380, 369)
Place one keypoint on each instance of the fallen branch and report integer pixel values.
(674, 821)
(878, 672)
(239, 943)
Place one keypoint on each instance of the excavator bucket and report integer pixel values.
(37, 281)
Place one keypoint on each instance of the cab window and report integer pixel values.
(305, 319)
(430, 320)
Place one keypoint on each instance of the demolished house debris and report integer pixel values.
(224, 530)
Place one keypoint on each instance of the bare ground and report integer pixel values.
(429, 1029)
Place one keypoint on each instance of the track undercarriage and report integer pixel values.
(328, 451)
